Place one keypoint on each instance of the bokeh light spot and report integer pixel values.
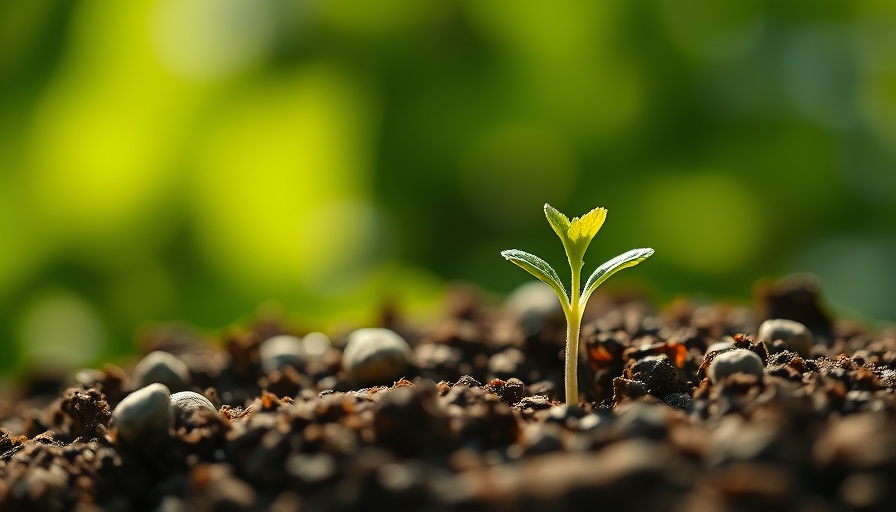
(209, 39)
(60, 331)
(280, 158)
(713, 31)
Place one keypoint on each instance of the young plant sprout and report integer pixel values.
(575, 234)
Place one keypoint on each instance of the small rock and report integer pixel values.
(795, 334)
(279, 351)
(145, 412)
(163, 368)
(187, 402)
(735, 361)
(375, 356)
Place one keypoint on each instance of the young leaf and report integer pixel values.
(558, 221)
(582, 230)
(625, 260)
(538, 268)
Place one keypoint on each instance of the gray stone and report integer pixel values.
(796, 335)
(163, 368)
(735, 361)
(375, 356)
(280, 351)
(145, 412)
(187, 402)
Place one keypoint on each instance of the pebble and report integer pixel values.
(735, 361)
(145, 412)
(375, 356)
(796, 335)
(187, 402)
(162, 368)
(279, 351)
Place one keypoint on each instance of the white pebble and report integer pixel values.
(186, 402)
(735, 361)
(375, 356)
(797, 336)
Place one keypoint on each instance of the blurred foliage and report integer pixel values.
(191, 159)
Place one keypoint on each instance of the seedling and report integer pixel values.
(575, 234)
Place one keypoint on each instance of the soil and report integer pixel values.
(478, 422)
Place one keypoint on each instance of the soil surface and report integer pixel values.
(477, 422)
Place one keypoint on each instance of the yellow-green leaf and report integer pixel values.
(581, 229)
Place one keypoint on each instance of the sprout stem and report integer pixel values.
(573, 326)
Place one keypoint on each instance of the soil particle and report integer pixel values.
(658, 373)
(87, 412)
(510, 392)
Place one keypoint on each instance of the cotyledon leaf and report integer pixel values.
(538, 268)
(625, 260)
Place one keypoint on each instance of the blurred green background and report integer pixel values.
(192, 159)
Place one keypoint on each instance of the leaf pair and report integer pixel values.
(576, 235)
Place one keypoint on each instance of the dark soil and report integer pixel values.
(477, 423)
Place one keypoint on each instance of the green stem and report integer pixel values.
(573, 325)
